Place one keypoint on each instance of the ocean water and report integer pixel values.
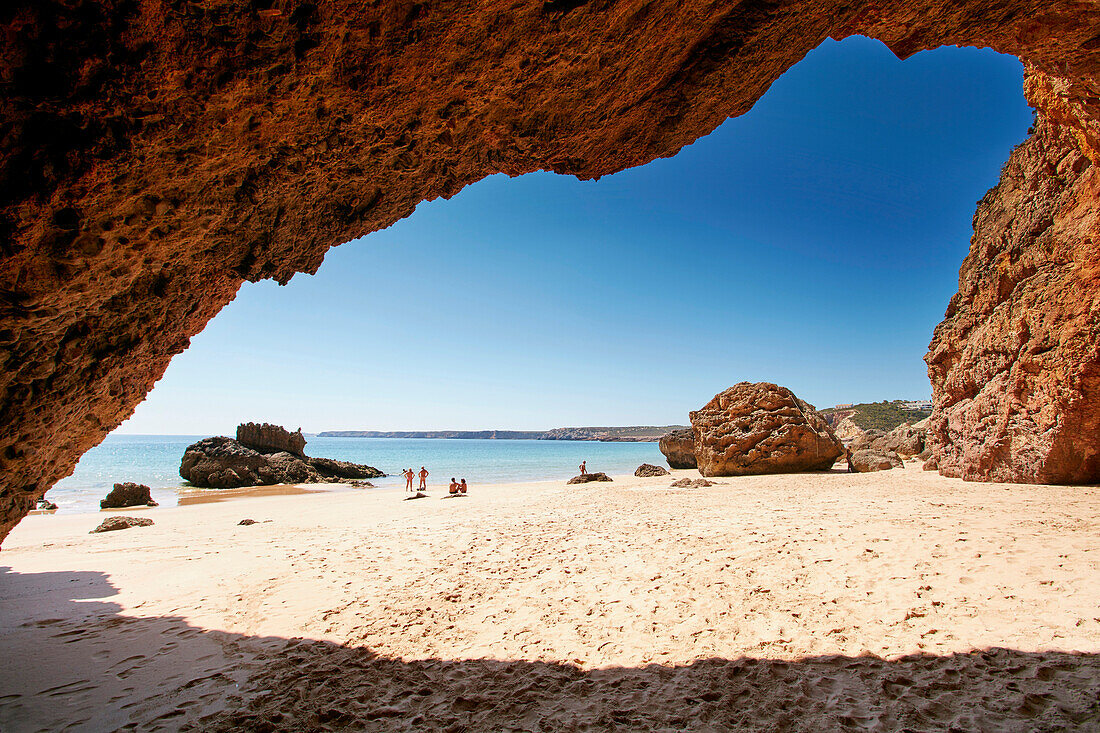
(154, 460)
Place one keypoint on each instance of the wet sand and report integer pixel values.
(888, 601)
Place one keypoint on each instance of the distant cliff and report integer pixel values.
(630, 434)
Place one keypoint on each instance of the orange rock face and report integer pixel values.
(157, 153)
(752, 429)
(1015, 365)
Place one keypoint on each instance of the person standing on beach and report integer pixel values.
(408, 474)
(584, 470)
(423, 479)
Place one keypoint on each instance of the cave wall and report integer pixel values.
(158, 153)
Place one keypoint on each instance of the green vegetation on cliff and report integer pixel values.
(875, 415)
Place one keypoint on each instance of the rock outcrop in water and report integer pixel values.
(225, 463)
(1015, 365)
(157, 155)
(268, 438)
(678, 448)
(761, 428)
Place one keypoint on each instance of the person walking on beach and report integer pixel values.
(408, 474)
(423, 479)
(584, 470)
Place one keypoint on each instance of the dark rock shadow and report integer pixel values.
(71, 659)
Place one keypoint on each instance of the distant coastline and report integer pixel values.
(628, 434)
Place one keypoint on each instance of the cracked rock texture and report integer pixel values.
(752, 429)
(155, 154)
(1015, 365)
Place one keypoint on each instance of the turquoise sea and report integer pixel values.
(154, 460)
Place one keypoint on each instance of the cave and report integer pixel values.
(158, 155)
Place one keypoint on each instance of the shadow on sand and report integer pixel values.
(71, 660)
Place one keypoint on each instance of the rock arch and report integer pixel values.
(158, 153)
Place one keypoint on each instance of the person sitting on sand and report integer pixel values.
(453, 488)
(408, 474)
(423, 479)
(462, 487)
(584, 470)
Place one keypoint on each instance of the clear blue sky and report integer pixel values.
(813, 242)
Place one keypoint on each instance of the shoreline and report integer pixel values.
(893, 596)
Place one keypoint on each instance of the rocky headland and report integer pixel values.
(225, 463)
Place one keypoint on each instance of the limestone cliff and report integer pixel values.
(157, 153)
(1015, 365)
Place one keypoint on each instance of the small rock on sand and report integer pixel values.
(589, 477)
(687, 483)
(648, 469)
(110, 524)
(246, 522)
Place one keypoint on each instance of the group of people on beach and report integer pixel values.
(455, 489)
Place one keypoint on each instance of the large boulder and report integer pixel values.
(761, 428)
(865, 461)
(679, 448)
(647, 470)
(905, 440)
(268, 438)
(224, 463)
(126, 495)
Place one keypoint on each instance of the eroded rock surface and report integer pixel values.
(758, 428)
(113, 524)
(156, 155)
(268, 438)
(867, 460)
(648, 470)
(588, 478)
(678, 448)
(126, 495)
(1015, 365)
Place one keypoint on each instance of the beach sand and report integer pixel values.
(832, 601)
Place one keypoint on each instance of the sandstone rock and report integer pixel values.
(761, 428)
(679, 448)
(847, 430)
(126, 495)
(329, 467)
(155, 159)
(1015, 365)
(110, 524)
(588, 477)
(687, 483)
(223, 463)
(866, 439)
(864, 461)
(931, 464)
(905, 440)
(268, 438)
(647, 470)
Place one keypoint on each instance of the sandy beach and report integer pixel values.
(897, 600)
